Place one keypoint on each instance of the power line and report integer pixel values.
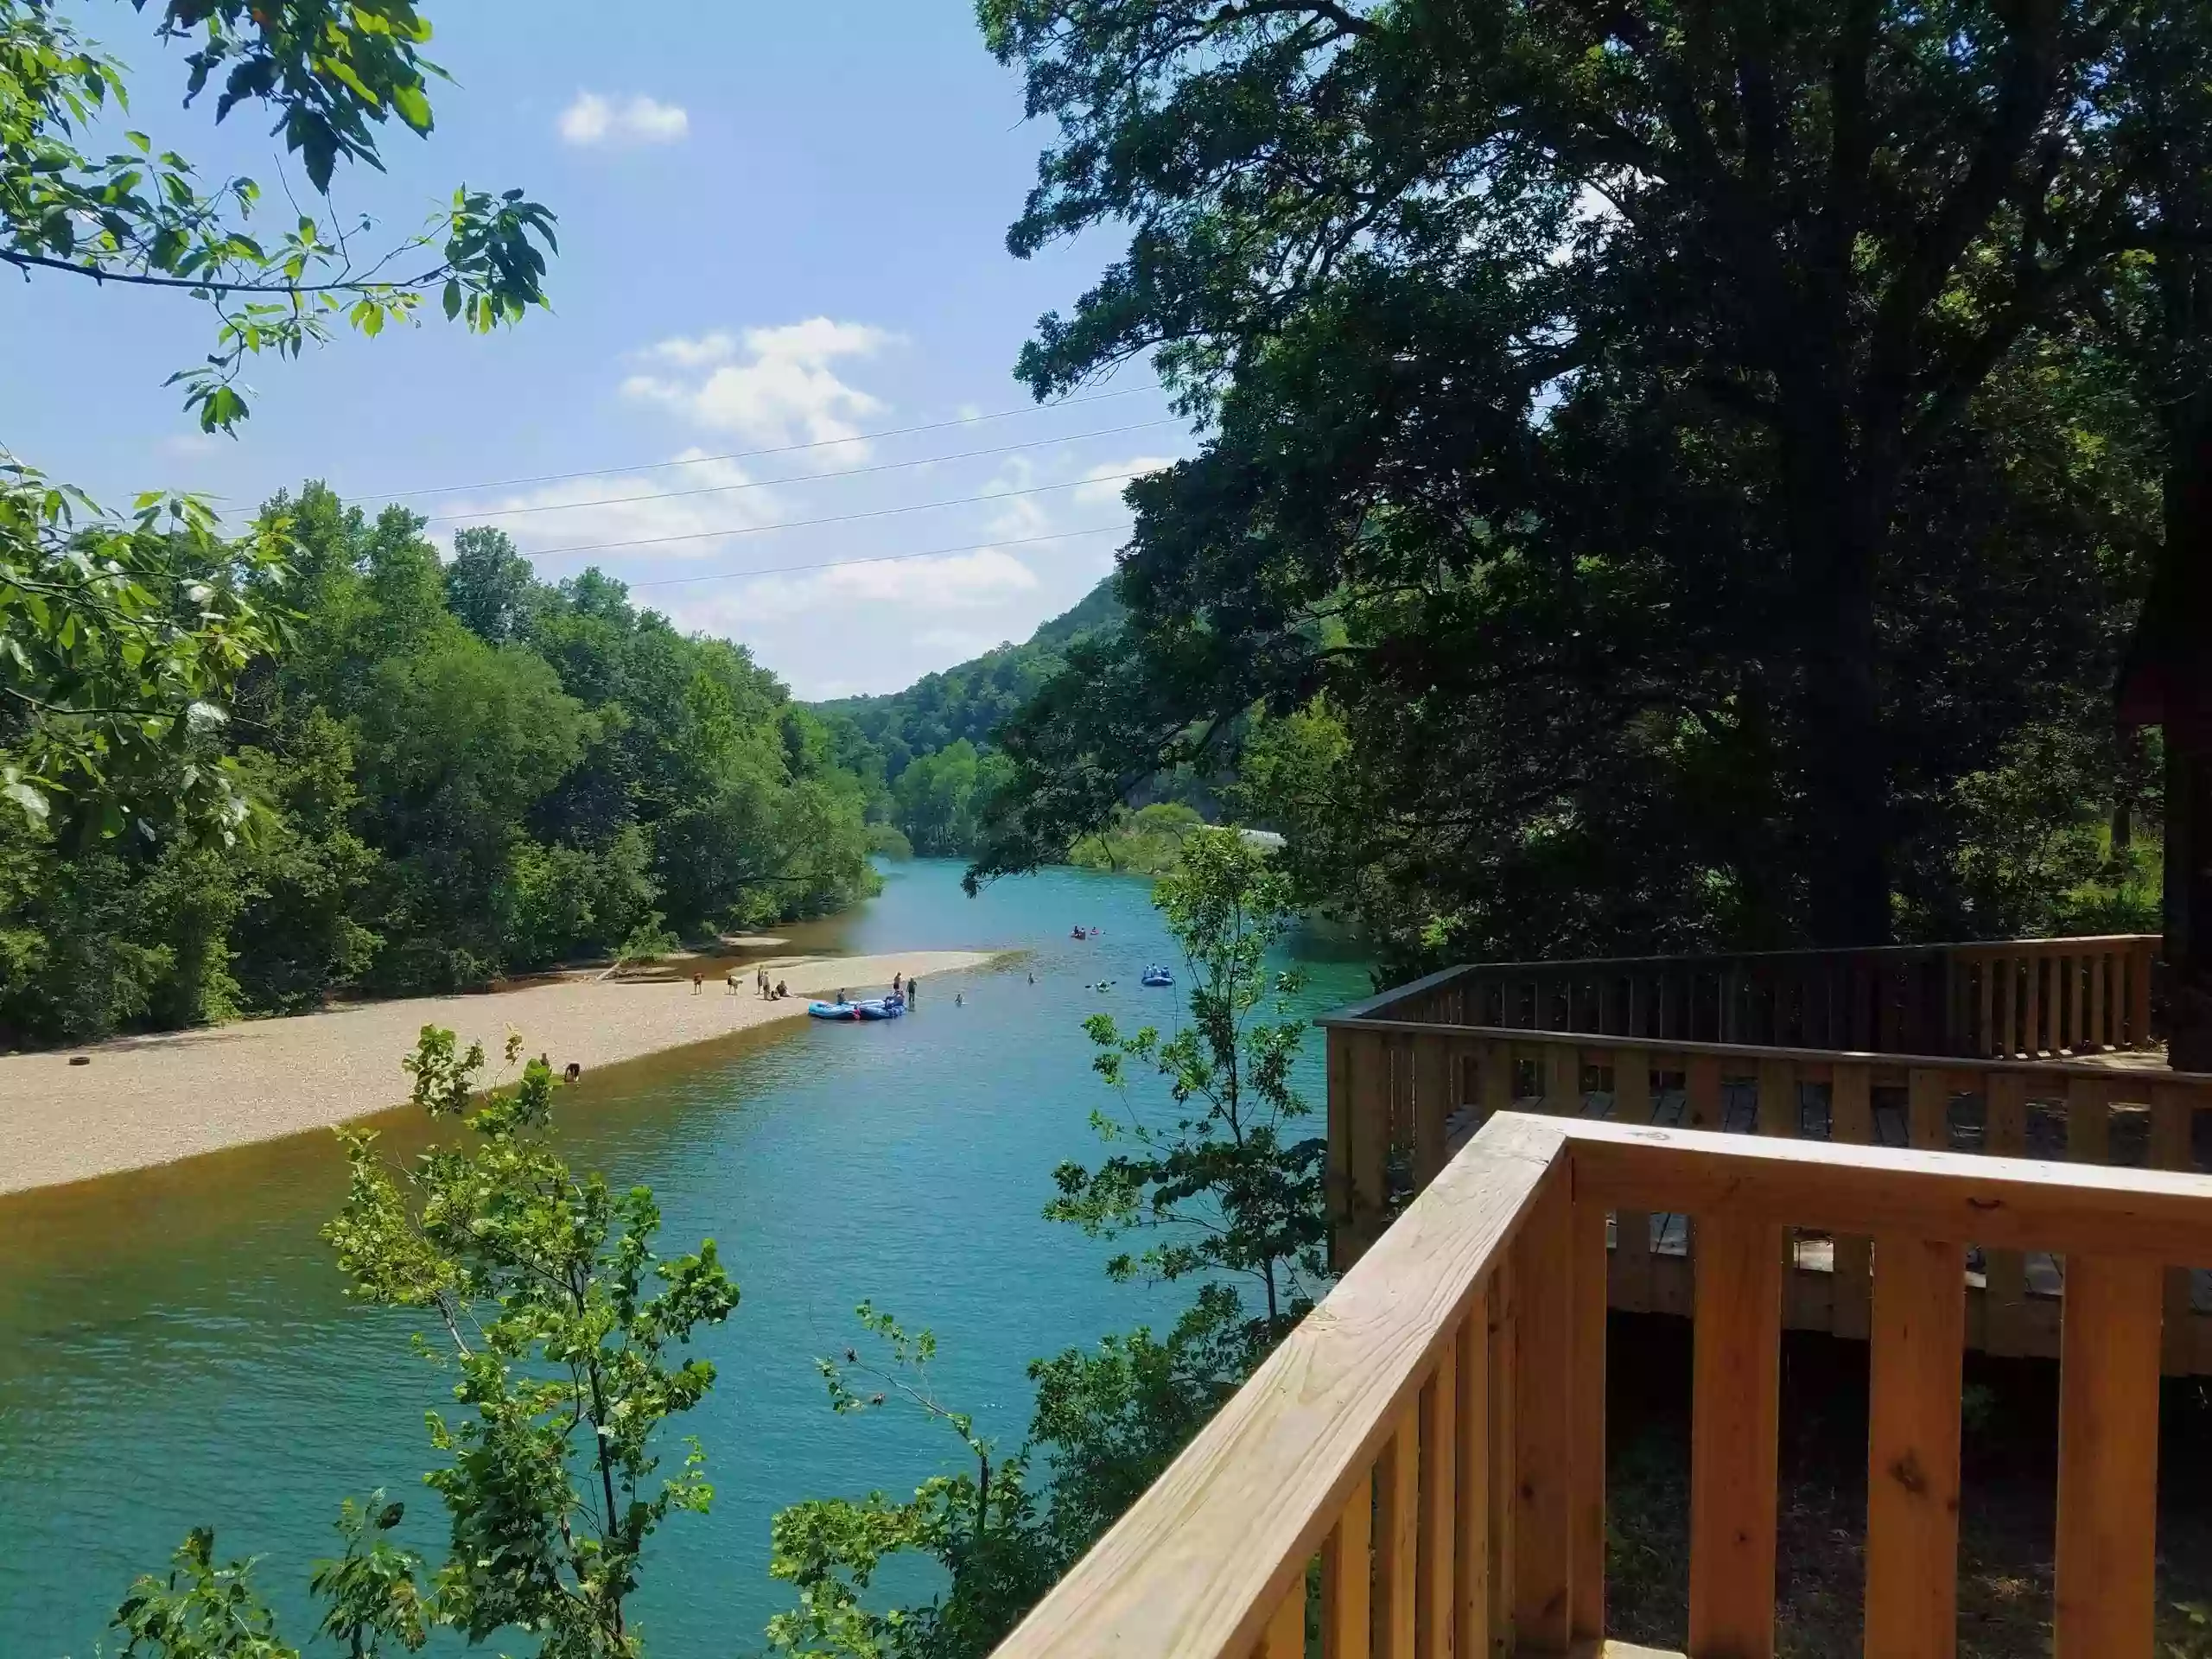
(839, 519)
(880, 558)
(767, 483)
(755, 455)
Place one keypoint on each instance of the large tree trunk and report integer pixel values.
(2189, 910)
(1840, 515)
(2168, 681)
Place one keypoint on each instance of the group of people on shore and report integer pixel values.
(901, 986)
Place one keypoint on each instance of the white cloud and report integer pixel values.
(719, 347)
(1104, 483)
(771, 386)
(594, 118)
(950, 583)
(1019, 515)
(956, 643)
(188, 445)
(578, 511)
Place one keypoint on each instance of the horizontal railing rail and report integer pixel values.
(1403, 1092)
(1420, 1468)
(2001, 999)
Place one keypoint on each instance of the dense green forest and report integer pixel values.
(459, 772)
(1665, 481)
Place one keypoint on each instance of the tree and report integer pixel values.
(1584, 377)
(489, 586)
(1107, 1422)
(981, 1529)
(2157, 315)
(121, 644)
(561, 1328)
(122, 641)
(1224, 1187)
(140, 217)
(1231, 1196)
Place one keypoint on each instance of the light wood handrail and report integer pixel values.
(1796, 953)
(1987, 999)
(1745, 1057)
(2019, 1203)
(1435, 1432)
(1204, 1562)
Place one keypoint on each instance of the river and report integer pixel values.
(175, 1350)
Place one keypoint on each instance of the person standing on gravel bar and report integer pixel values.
(913, 984)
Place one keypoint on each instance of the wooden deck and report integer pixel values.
(1410, 1079)
(1420, 1469)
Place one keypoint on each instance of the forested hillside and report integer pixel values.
(460, 772)
(927, 752)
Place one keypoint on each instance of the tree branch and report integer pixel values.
(27, 262)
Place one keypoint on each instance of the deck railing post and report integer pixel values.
(1439, 1479)
(1366, 1075)
(1472, 1597)
(1503, 1310)
(1432, 1091)
(2108, 1459)
(1347, 1579)
(2035, 1043)
(2004, 1295)
(1632, 1264)
(2173, 1147)
(1585, 1387)
(1912, 1456)
(1850, 1122)
(1543, 1423)
(1397, 1540)
(1337, 1183)
(1734, 1423)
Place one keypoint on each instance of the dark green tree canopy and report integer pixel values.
(1667, 443)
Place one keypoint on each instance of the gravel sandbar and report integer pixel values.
(150, 1100)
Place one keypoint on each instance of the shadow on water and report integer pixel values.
(174, 1349)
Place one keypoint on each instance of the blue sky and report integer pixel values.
(780, 226)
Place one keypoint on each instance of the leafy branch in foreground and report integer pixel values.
(1231, 1195)
(121, 641)
(1224, 1187)
(140, 217)
(981, 1528)
(121, 645)
(542, 1282)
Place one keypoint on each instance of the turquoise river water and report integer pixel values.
(175, 1351)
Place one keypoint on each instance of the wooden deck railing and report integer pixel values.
(1403, 1092)
(2011, 999)
(1420, 1469)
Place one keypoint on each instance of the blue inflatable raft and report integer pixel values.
(874, 1008)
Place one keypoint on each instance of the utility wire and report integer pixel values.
(769, 483)
(754, 455)
(839, 519)
(880, 558)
